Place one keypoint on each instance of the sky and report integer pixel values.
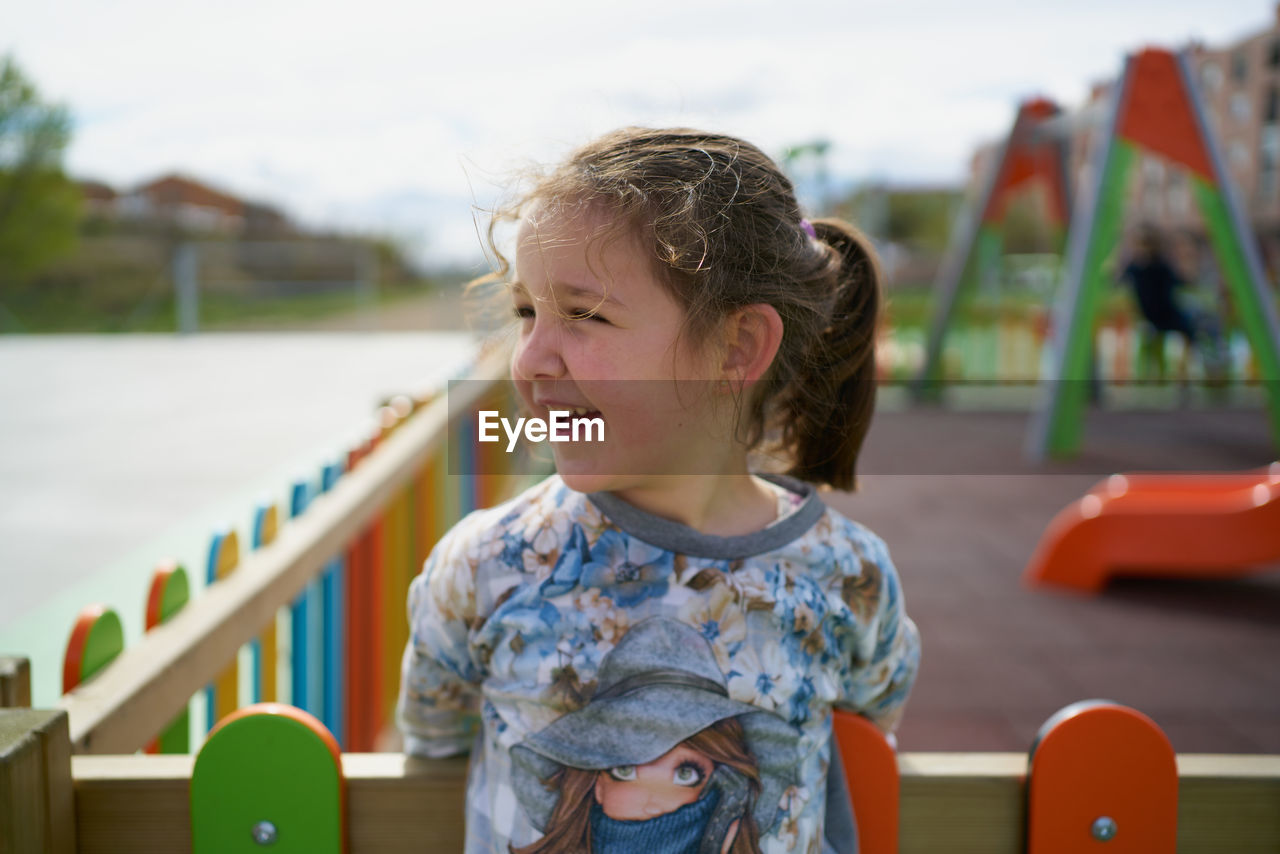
(402, 118)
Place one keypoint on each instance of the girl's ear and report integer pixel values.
(752, 335)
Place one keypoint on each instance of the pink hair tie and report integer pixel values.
(807, 228)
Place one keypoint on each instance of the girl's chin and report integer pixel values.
(580, 482)
(589, 473)
(586, 469)
(585, 478)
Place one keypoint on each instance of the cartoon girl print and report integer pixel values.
(660, 761)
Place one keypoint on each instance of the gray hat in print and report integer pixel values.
(659, 686)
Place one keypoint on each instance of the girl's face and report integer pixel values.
(640, 792)
(599, 332)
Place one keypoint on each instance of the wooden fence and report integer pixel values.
(339, 567)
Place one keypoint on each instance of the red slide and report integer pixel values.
(1163, 525)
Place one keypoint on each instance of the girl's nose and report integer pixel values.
(537, 353)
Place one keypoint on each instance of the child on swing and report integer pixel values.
(642, 652)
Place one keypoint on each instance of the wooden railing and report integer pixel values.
(131, 700)
(963, 803)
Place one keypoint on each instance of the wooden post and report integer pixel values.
(37, 806)
(1102, 777)
(15, 682)
(269, 773)
(871, 773)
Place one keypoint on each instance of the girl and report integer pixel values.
(666, 284)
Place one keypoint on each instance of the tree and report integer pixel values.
(39, 205)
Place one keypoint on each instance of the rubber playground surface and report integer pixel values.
(962, 513)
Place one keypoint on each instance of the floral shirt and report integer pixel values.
(519, 605)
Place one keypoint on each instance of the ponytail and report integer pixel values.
(831, 395)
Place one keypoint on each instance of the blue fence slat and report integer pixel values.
(334, 634)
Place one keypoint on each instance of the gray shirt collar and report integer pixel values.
(681, 539)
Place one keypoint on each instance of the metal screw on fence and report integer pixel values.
(264, 833)
(1104, 828)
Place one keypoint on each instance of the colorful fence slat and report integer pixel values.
(378, 615)
(396, 573)
(364, 621)
(358, 633)
(96, 639)
(334, 596)
(266, 647)
(871, 773)
(307, 614)
(222, 697)
(269, 776)
(390, 537)
(1103, 777)
(168, 594)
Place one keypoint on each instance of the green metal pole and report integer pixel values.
(1075, 337)
(1250, 301)
(1057, 423)
(951, 277)
(1237, 252)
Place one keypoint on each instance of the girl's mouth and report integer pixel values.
(575, 412)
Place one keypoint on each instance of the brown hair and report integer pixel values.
(569, 827)
(724, 230)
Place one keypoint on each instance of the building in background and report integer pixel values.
(99, 198)
(188, 204)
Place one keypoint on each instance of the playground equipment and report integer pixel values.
(1155, 106)
(1030, 155)
(167, 596)
(1163, 525)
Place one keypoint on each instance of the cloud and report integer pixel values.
(399, 115)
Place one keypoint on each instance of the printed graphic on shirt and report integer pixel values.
(519, 607)
(660, 760)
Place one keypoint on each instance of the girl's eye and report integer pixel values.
(623, 773)
(688, 774)
(586, 315)
(523, 312)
